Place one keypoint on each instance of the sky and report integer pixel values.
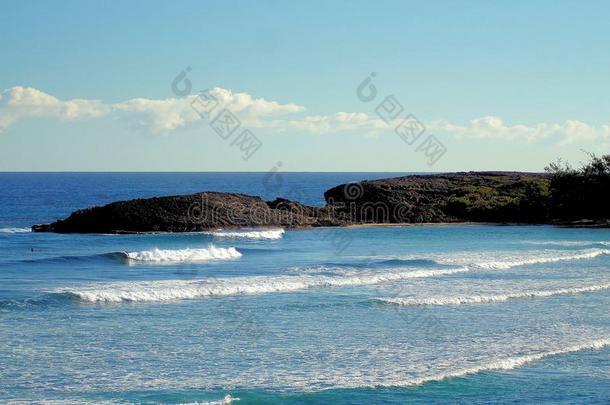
(390, 86)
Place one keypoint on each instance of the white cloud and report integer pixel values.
(155, 116)
(491, 127)
(243, 102)
(163, 116)
(326, 124)
(25, 102)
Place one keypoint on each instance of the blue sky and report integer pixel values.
(501, 85)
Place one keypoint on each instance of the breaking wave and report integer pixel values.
(507, 363)
(254, 234)
(548, 257)
(15, 230)
(166, 290)
(503, 260)
(480, 299)
(184, 255)
(566, 243)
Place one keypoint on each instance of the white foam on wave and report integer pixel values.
(269, 234)
(184, 255)
(167, 290)
(228, 399)
(15, 230)
(566, 243)
(503, 259)
(507, 363)
(544, 257)
(481, 299)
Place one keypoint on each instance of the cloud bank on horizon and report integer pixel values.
(166, 116)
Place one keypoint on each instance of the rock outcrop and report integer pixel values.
(185, 213)
(453, 197)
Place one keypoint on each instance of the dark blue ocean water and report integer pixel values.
(422, 314)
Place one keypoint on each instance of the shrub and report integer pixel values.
(580, 193)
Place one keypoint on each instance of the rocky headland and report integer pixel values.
(491, 197)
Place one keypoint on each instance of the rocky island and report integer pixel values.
(492, 197)
(562, 195)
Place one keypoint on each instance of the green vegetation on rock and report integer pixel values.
(523, 200)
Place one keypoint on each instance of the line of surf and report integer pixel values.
(482, 299)
(566, 243)
(505, 260)
(507, 363)
(547, 257)
(15, 230)
(263, 234)
(167, 290)
(183, 255)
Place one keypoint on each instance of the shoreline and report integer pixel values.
(482, 198)
(356, 226)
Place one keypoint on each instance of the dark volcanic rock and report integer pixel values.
(488, 197)
(451, 197)
(185, 213)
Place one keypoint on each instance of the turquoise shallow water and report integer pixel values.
(434, 314)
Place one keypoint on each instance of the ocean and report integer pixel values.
(369, 315)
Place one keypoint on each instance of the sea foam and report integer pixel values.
(166, 290)
(252, 234)
(507, 363)
(184, 255)
(480, 299)
(544, 257)
(502, 259)
(566, 243)
(15, 230)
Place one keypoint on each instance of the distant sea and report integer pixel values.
(378, 315)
